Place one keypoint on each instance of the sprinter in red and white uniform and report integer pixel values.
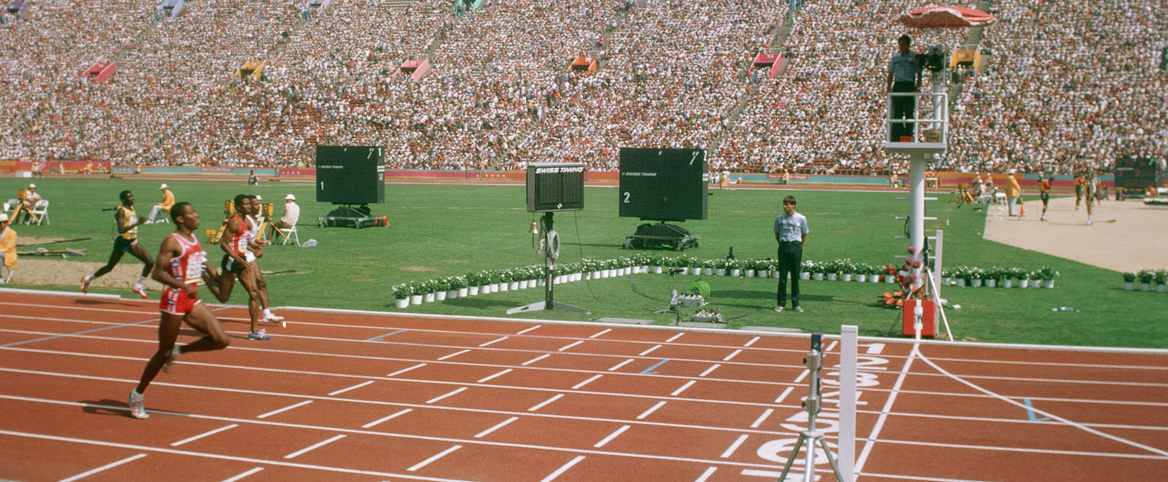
(237, 262)
(181, 263)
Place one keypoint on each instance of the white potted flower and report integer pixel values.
(1129, 281)
(401, 295)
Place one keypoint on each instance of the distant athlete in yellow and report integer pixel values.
(127, 223)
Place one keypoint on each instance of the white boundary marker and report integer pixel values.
(314, 446)
(204, 434)
(847, 408)
(560, 471)
(103, 468)
(245, 474)
(433, 458)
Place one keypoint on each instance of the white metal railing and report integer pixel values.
(939, 122)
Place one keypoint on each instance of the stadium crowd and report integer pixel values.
(1069, 84)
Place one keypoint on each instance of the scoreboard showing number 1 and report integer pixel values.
(663, 184)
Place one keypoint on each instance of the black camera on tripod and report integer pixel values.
(934, 58)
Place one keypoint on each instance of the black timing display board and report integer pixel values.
(1134, 173)
(663, 184)
(350, 175)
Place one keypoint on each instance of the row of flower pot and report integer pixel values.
(1157, 287)
(484, 282)
(993, 283)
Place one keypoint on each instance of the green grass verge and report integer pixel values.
(438, 230)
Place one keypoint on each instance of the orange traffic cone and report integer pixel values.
(1021, 210)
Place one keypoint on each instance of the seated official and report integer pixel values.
(162, 208)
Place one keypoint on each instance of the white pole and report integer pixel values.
(847, 408)
(917, 216)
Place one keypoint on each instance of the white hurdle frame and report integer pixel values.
(849, 346)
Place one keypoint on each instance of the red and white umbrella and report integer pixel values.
(940, 16)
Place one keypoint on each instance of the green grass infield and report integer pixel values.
(437, 231)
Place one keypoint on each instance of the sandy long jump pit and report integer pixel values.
(1125, 236)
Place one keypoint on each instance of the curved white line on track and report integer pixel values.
(1041, 412)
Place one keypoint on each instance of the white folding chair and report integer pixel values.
(288, 234)
(40, 212)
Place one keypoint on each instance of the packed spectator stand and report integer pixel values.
(1069, 84)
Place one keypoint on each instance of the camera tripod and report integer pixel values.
(814, 363)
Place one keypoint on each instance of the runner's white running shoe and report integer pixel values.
(136, 409)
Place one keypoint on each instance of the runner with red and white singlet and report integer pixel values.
(181, 262)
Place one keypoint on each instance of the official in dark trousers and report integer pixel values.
(791, 233)
(904, 76)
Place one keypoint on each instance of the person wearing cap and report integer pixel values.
(162, 208)
(30, 200)
(291, 215)
(127, 222)
(7, 244)
(1012, 190)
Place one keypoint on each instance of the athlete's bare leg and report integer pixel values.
(247, 279)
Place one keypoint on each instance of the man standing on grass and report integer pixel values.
(181, 263)
(791, 233)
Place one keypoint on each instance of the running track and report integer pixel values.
(369, 397)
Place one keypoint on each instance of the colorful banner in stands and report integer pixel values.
(416, 69)
(99, 72)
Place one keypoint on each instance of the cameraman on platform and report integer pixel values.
(904, 76)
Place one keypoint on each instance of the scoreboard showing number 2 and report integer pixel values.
(663, 184)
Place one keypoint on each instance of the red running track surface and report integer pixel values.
(368, 397)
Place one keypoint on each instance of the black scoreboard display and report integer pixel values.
(663, 184)
(555, 186)
(350, 175)
(1134, 173)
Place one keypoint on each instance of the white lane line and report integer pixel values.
(651, 410)
(545, 402)
(621, 364)
(431, 459)
(601, 333)
(314, 447)
(245, 474)
(563, 469)
(708, 370)
(399, 372)
(354, 387)
(875, 349)
(585, 382)
(646, 352)
(706, 475)
(488, 431)
(762, 418)
(504, 372)
(832, 345)
(802, 376)
(529, 329)
(734, 446)
(492, 342)
(683, 387)
(391, 417)
(674, 337)
(289, 407)
(102, 468)
(784, 395)
(612, 436)
(863, 457)
(732, 355)
(752, 340)
(571, 345)
(432, 400)
(452, 355)
(538, 358)
(204, 434)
